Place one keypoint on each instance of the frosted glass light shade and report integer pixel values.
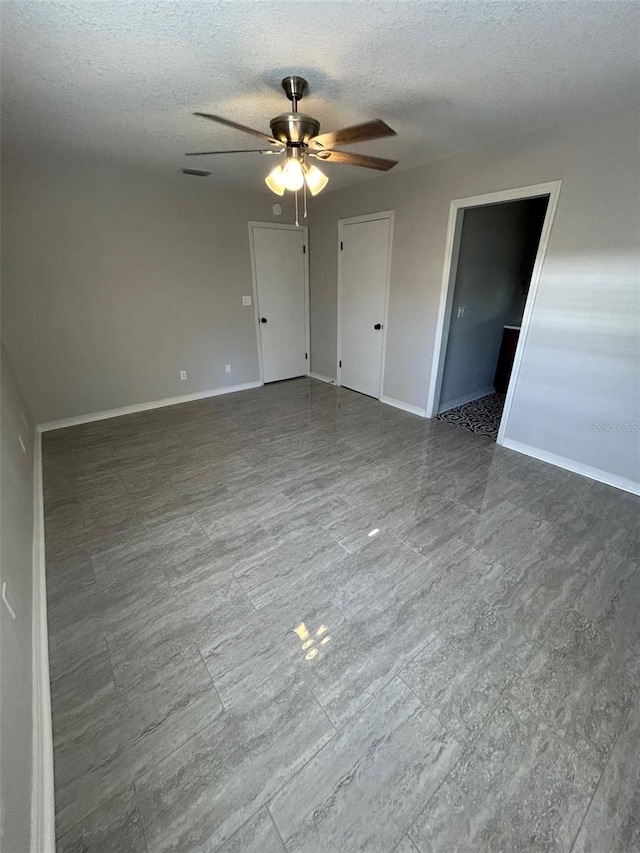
(316, 180)
(275, 181)
(292, 175)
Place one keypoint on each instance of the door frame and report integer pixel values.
(449, 272)
(279, 226)
(353, 220)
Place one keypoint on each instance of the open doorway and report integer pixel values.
(496, 250)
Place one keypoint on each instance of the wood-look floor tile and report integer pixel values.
(612, 822)
(83, 682)
(108, 745)
(155, 550)
(203, 792)
(406, 846)
(462, 675)
(582, 683)
(359, 578)
(114, 827)
(244, 650)
(536, 593)
(367, 785)
(517, 788)
(218, 608)
(300, 559)
(258, 835)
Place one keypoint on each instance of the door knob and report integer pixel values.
(263, 319)
(377, 326)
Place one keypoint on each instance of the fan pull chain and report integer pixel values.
(304, 196)
(296, 195)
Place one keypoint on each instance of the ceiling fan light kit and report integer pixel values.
(275, 181)
(298, 137)
(315, 180)
(292, 173)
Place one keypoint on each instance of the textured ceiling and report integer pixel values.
(118, 81)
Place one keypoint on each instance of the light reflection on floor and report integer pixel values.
(309, 642)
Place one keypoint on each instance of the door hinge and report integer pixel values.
(341, 245)
(304, 250)
(340, 363)
(306, 355)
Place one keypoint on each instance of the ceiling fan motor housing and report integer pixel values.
(294, 128)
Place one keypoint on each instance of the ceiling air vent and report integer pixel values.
(196, 172)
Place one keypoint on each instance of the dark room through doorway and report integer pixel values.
(498, 248)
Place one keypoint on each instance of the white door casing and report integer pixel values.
(279, 263)
(364, 267)
(452, 248)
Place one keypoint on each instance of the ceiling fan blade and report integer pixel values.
(237, 126)
(350, 159)
(376, 129)
(232, 151)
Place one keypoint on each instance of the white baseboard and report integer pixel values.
(143, 407)
(406, 407)
(576, 467)
(468, 398)
(43, 836)
(322, 378)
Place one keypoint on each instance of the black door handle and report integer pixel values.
(377, 326)
(263, 319)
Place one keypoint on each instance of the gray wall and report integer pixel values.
(581, 357)
(16, 544)
(492, 263)
(114, 280)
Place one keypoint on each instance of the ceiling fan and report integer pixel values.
(297, 136)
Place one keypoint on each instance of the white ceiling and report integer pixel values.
(118, 80)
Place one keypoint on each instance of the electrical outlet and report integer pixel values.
(227, 368)
(246, 300)
(183, 375)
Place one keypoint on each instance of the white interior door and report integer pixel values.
(280, 278)
(364, 276)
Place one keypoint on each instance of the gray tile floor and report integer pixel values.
(297, 619)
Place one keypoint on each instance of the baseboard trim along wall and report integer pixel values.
(322, 378)
(576, 467)
(544, 456)
(143, 407)
(43, 836)
(406, 407)
(468, 398)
